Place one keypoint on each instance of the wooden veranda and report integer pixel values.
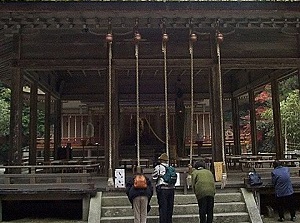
(93, 52)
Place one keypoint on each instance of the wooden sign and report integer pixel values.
(218, 170)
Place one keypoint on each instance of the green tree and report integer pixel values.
(290, 114)
(4, 111)
(5, 99)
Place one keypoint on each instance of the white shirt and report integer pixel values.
(159, 171)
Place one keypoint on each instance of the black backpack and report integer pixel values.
(254, 178)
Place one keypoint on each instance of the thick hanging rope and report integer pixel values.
(219, 38)
(109, 39)
(152, 130)
(164, 50)
(193, 38)
(137, 39)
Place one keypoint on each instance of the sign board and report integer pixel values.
(119, 178)
(218, 170)
(178, 180)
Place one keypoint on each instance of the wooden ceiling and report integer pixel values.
(63, 46)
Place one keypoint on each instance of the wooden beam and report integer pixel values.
(131, 97)
(226, 63)
(262, 81)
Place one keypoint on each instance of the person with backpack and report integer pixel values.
(164, 176)
(139, 191)
(203, 183)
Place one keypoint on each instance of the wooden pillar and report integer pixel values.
(180, 117)
(47, 126)
(216, 102)
(299, 79)
(217, 115)
(33, 123)
(158, 125)
(15, 153)
(236, 125)
(211, 106)
(115, 119)
(279, 142)
(253, 122)
(57, 126)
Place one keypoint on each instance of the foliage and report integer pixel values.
(290, 108)
(5, 98)
(4, 111)
(290, 113)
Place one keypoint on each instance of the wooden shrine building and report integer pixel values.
(146, 62)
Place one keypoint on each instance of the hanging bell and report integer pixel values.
(220, 37)
(137, 37)
(165, 37)
(193, 37)
(109, 37)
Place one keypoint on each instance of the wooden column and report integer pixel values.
(211, 106)
(33, 123)
(47, 126)
(299, 79)
(217, 115)
(279, 142)
(115, 119)
(216, 100)
(57, 126)
(158, 125)
(253, 122)
(236, 125)
(15, 153)
(180, 117)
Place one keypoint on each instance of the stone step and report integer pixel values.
(237, 217)
(122, 200)
(118, 211)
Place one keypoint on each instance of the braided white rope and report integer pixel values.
(164, 49)
(110, 180)
(152, 130)
(192, 101)
(137, 104)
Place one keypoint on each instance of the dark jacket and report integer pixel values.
(134, 192)
(282, 181)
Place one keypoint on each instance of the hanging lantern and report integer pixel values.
(193, 37)
(109, 37)
(137, 37)
(165, 37)
(220, 37)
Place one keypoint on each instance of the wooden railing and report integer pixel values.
(46, 178)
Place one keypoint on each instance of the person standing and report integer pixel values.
(203, 184)
(284, 191)
(139, 191)
(165, 192)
